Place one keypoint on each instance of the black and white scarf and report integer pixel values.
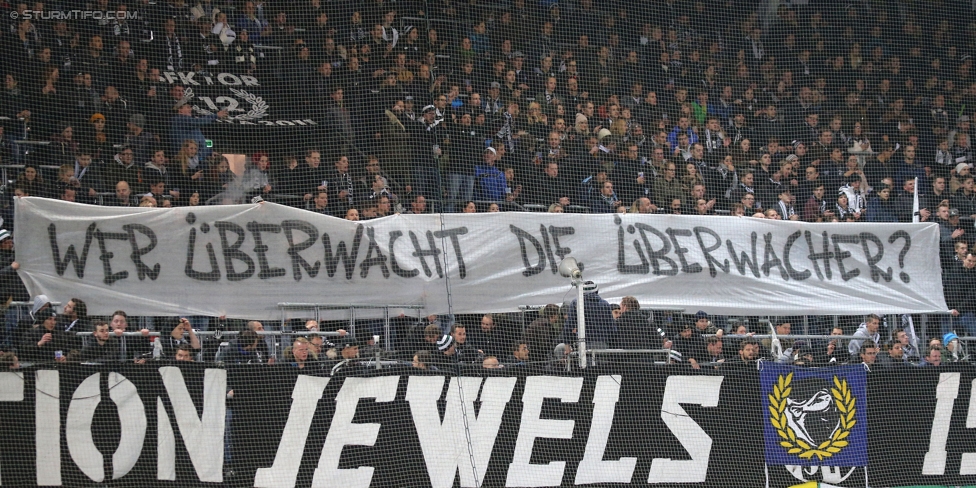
(174, 53)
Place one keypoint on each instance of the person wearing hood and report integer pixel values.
(954, 351)
(32, 320)
(867, 330)
(601, 329)
(44, 342)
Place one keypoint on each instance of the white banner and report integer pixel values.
(243, 260)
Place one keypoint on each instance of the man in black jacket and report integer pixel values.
(43, 343)
(551, 187)
(748, 352)
(633, 329)
(103, 347)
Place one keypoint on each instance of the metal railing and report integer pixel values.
(276, 347)
(318, 311)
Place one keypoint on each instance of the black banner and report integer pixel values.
(179, 425)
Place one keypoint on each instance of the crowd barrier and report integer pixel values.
(179, 425)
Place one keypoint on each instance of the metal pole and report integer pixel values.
(386, 329)
(580, 324)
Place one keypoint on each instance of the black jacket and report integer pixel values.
(30, 351)
(635, 332)
(95, 353)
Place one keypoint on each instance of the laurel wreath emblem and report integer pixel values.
(259, 108)
(845, 402)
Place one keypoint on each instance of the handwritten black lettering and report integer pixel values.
(771, 260)
(233, 251)
(106, 256)
(873, 259)
(556, 233)
(794, 273)
(903, 276)
(70, 255)
(622, 266)
(453, 234)
(707, 250)
(214, 273)
(394, 265)
(742, 260)
(523, 236)
(261, 249)
(814, 256)
(374, 257)
(681, 251)
(655, 257)
(298, 263)
(348, 259)
(840, 255)
(142, 269)
(422, 253)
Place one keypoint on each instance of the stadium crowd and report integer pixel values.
(46, 336)
(822, 112)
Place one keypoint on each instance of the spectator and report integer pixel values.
(74, 319)
(869, 353)
(137, 348)
(188, 177)
(445, 354)
(123, 196)
(543, 333)
(932, 358)
(103, 348)
(299, 353)
(909, 349)
(894, 357)
(492, 337)
(11, 287)
(748, 352)
(600, 327)
(881, 207)
(465, 352)
(606, 201)
(44, 343)
(422, 360)
(521, 354)
(712, 353)
(183, 353)
(8, 361)
(491, 181)
(183, 127)
(867, 330)
(181, 335)
(257, 177)
(248, 348)
(124, 168)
